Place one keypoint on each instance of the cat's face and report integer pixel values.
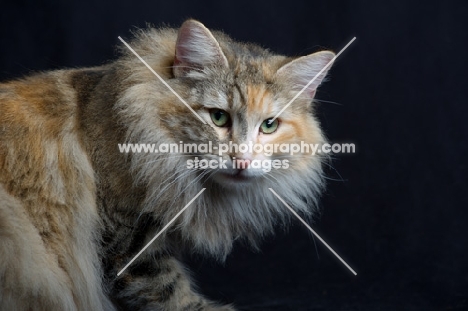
(238, 90)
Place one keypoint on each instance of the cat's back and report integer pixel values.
(43, 101)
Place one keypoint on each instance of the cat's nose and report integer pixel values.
(242, 163)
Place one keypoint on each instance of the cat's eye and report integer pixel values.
(268, 127)
(220, 117)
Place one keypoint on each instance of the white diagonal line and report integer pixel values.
(161, 79)
(312, 81)
(160, 232)
(312, 230)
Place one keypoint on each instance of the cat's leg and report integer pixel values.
(32, 277)
(158, 281)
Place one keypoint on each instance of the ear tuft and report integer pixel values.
(301, 71)
(196, 48)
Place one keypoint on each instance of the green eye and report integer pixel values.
(220, 117)
(267, 127)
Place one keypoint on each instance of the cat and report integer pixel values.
(74, 209)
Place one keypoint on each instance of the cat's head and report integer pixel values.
(237, 90)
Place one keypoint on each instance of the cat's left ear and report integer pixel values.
(299, 72)
(196, 48)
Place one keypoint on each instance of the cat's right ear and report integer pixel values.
(195, 49)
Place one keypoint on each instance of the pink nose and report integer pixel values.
(242, 164)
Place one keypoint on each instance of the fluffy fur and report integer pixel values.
(74, 210)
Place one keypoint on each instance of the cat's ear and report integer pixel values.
(195, 49)
(299, 72)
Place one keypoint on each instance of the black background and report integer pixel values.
(396, 211)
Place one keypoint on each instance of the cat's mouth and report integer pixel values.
(235, 176)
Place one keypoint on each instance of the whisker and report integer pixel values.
(196, 179)
(163, 190)
(336, 171)
(327, 101)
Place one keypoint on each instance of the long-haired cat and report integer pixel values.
(74, 209)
